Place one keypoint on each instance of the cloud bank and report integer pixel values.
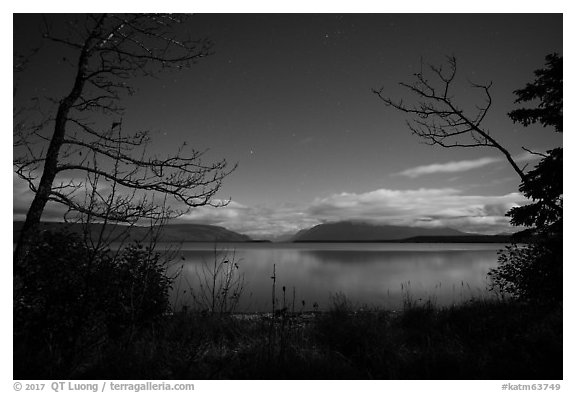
(443, 207)
(422, 207)
(425, 207)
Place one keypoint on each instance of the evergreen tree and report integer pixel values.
(533, 272)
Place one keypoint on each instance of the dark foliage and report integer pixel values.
(543, 186)
(547, 89)
(533, 272)
(69, 303)
(476, 340)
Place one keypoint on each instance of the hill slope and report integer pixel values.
(346, 231)
(170, 233)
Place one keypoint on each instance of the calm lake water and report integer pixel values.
(372, 274)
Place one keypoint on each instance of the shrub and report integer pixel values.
(220, 283)
(531, 272)
(138, 289)
(70, 301)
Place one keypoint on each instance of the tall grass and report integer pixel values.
(480, 339)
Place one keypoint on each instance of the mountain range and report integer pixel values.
(343, 231)
(348, 231)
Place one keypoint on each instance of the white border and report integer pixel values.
(357, 6)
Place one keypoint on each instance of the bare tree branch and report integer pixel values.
(438, 120)
(534, 152)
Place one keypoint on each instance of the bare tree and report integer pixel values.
(439, 120)
(54, 152)
(115, 211)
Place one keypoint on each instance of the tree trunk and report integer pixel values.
(27, 234)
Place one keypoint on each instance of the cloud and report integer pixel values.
(443, 207)
(257, 222)
(465, 165)
(449, 167)
(421, 207)
(216, 215)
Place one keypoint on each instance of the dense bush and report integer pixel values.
(69, 302)
(530, 272)
(138, 289)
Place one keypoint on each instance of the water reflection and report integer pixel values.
(369, 275)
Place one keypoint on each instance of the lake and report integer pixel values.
(369, 274)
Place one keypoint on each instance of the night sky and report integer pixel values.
(288, 97)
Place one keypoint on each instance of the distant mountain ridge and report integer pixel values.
(170, 232)
(343, 231)
(348, 231)
(458, 239)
